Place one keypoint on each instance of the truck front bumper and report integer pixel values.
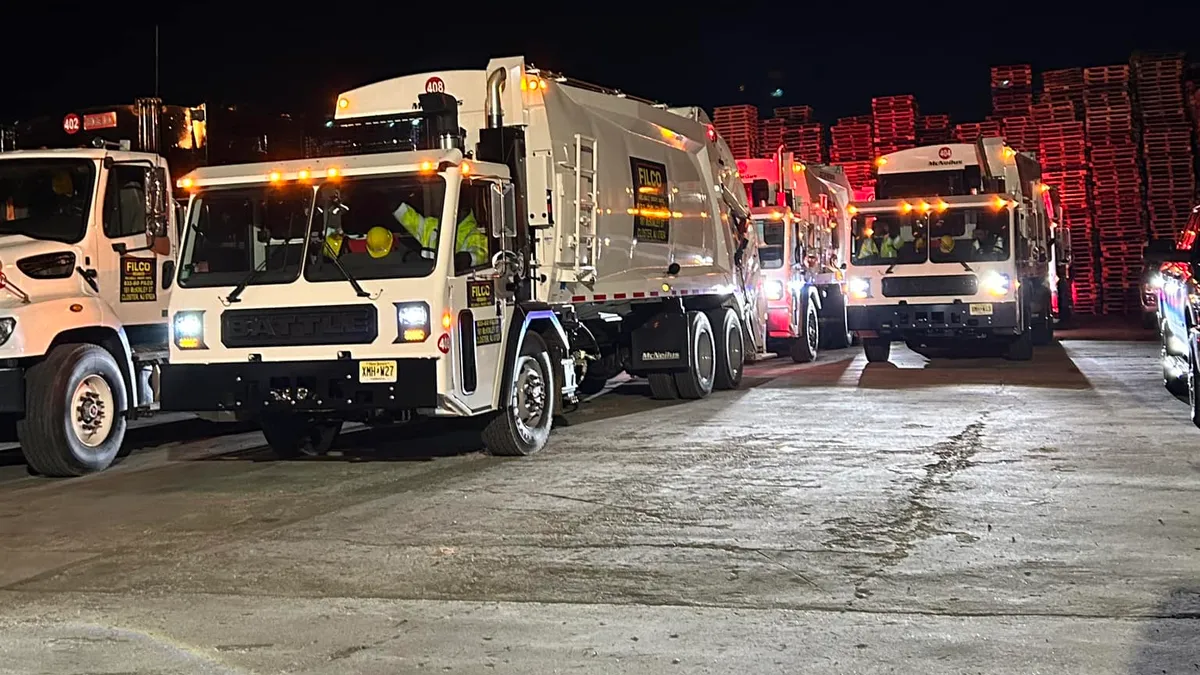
(12, 390)
(950, 320)
(296, 386)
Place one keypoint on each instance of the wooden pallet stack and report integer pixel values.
(969, 132)
(853, 149)
(934, 129)
(1063, 86)
(1062, 151)
(1116, 186)
(1012, 90)
(738, 125)
(1166, 141)
(1021, 133)
(895, 119)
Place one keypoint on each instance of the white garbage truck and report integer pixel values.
(473, 244)
(87, 231)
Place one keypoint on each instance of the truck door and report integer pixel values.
(478, 296)
(131, 283)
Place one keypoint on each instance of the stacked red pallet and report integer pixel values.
(1194, 98)
(1063, 86)
(853, 150)
(1021, 133)
(807, 141)
(933, 129)
(895, 123)
(770, 135)
(1050, 112)
(738, 125)
(795, 114)
(1012, 90)
(969, 132)
(1116, 196)
(1062, 151)
(1166, 142)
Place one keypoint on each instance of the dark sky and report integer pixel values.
(297, 57)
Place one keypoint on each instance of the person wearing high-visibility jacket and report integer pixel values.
(469, 238)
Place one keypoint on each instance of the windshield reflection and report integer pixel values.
(46, 198)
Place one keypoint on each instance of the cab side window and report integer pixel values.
(125, 202)
(474, 245)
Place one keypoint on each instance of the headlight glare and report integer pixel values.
(859, 288)
(995, 284)
(412, 321)
(188, 330)
(774, 289)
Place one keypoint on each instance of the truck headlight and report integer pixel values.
(774, 289)
(859, 288)
(188, 330)
(996, 284)
(412, 319)
(7, 325)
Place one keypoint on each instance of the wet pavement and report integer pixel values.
(927, 516)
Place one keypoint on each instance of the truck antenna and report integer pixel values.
(155, 60)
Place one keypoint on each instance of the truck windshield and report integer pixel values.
(377, 228)
(46, 198)
(888, 239)
(770, 253)
(234, 232)
(970, 235)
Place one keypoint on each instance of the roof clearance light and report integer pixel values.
(797, 168)
(343, 103)
(880, 161)
(1043, 188)
(712, 133)
(942, 205)
(304, 174)
(466, 168)
(184, 183)
(427, 166)
(852, 209)
(906, 207)
(998, 202)
(924, 206)
(274, 177)
(332, 172)
(1009, 153)
(542, 84)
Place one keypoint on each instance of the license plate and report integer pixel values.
(377, 371)
(981, 309)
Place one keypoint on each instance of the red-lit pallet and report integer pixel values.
(1004, 77)
(933, 129)
(1072, 187)
(1065, 84)
(860, 174)
(807, 141)
(1052, 112)
(969, 132)
(770, 135)
(1011, 103)
(1021, 133)
(795, 114)
(852, 141)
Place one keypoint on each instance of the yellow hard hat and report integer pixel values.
(947, 243)
(334, 241)
(379, 241)
(62, 184)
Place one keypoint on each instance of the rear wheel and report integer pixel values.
(1193, 382)
(291, 436)
(877, 350)
(75, 403)
(1021, 348)
(804, 347)
(698, 380)
(522, 425)
(730, 348)
(839, 336)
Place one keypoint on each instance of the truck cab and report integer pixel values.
(958, 246)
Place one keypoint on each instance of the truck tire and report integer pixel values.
(877, 350)
(1021, 348)
(662, 386)
(75, 402)
(291, 436)
(1043, 327)
(1193, 386)
(591, 385)
(698, 380)
(804, 348)
(730, 347)
(522, 426)
(839, 335)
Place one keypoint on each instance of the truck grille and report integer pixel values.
(300, 326)
(955, 284)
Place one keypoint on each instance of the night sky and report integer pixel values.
(833, 60)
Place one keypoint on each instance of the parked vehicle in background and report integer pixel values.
(1178, 308)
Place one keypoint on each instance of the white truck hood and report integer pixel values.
(14, 247)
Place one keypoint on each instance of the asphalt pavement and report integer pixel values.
(932, 515)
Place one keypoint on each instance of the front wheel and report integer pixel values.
(804, 347)
(1021, 348)
(75, 401)
(522, 426)
(878, 350)
(291, 436)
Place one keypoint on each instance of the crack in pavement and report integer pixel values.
(899, 531)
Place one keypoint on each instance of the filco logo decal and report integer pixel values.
(660, 356)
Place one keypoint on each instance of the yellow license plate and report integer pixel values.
(981, 309)
(376, 371)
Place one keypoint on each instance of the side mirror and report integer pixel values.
(504, 210)
(158, 213)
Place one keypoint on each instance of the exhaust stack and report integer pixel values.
(495, 87)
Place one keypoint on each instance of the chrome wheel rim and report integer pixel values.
(529, 396)
(734, 350)
(92, 411)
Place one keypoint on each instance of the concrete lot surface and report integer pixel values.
(928, 516)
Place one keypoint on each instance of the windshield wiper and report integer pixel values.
(358, 289)
(965, 266)
(236, 293)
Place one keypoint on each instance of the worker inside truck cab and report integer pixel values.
(469, 238)
(988, 242)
